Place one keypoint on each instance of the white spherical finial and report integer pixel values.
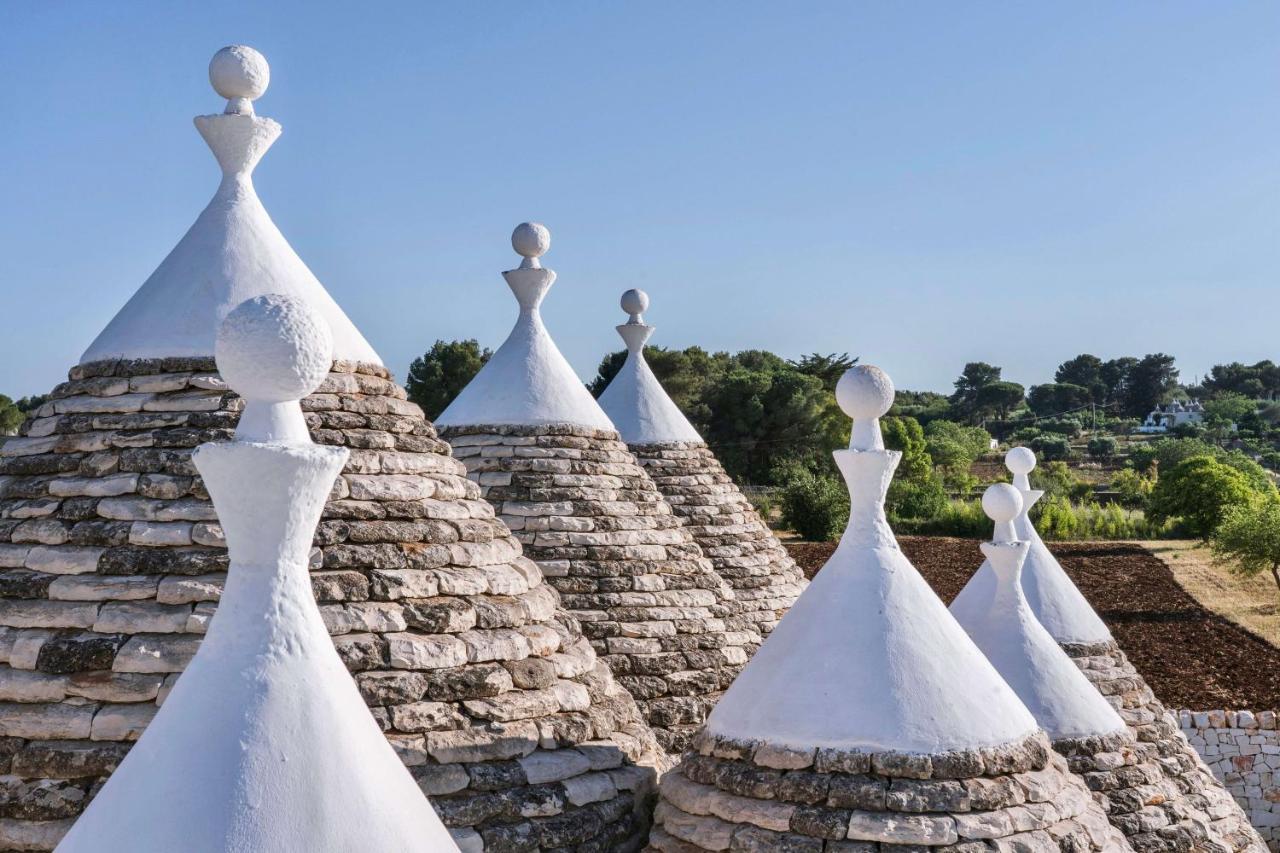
(274, 349)
(864, 392)
(1002, 503)
(1020, 460)
(531, 239)
(635, 302)
(239, 71)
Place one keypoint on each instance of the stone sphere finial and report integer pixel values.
(1020, 460)
(531, 240)
(1002, 503)
(274, 349)
(864, 392)
(635, 302)
(239, 72)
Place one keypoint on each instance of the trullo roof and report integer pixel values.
(869, 658)
(232, 253)
(1054, 599)
(635, 400)
(1052, 687)
(527, 382)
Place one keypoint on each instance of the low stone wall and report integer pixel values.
(1243, 750)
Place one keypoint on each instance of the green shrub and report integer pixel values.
(816, 507)
(915, 499)
(1026, 435)
(1062, 426)
(1055, 519)
(1102, 447)
(1133, 488)
(1051, 447)
(1248, 539)
(957, 518)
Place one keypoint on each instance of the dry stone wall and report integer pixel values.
(1202, 799)
(112, 562)
(754, 797)
(1242, 748)
(651, 604)
(765, 580)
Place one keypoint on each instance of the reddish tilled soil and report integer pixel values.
(1191, 658)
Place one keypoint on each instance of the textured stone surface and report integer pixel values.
(1184, 800)
(726, 526)
(1242, 748)
(1017, 798)
(462, 652)
(648, 600)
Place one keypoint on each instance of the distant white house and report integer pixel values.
(1166, 417)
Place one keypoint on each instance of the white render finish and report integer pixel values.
(232, 253)
(527, 382)
(264, 743)
(869, 658)
(1053, 688)
(1054, 599)
(635, 400)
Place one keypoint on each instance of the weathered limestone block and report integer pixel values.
(603, 536)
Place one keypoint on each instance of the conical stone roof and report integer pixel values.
(265, 743)
(765, 580)
(1184, 806)
(557, 472)
(868, 720)
(112, 560)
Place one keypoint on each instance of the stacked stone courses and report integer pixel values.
(1197, 797)
(764, 578)
(750, 796)
(112, 561)
(596, 524)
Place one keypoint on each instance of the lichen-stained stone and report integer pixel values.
(453, 636)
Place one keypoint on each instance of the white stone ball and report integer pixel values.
(635, 301)
(274, 349)
(239, 71)
(865, 391)
(1001, 502)
(1020, 460)
(531, 239)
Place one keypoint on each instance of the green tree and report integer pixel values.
(1134, 489)
(1083, 371)
(10, 416)
(999, 398)
(438, 376)
(765, 413)
(1228, 408)
(954, 448)
(1148, 382)
(1248, 539)
(915, 492)
(1200, 491)
(1115, 375)
(1056, 398)
(829, 367)
(975, 376)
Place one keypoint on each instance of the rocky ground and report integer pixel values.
(1191, 657)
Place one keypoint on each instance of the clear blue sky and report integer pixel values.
(920, 184)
